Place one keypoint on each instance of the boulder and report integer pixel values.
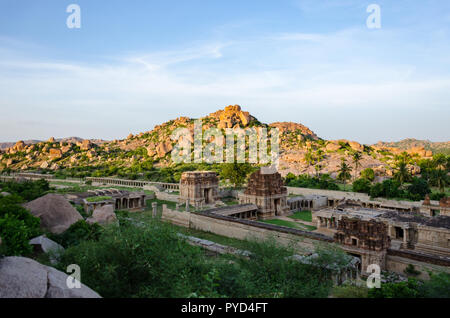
(43, 244)
(51, 139)
(332, 147)
(55, 153)
(356, 146)
(103, 215)
(55, 212)
(22, 277)
(163, 149)
(86, 145)
(44, 165)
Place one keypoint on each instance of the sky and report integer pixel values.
(136, 64)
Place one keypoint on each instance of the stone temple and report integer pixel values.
(266, 190)
(199, 188)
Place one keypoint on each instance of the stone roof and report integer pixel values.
(435, 221)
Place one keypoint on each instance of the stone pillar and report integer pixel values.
(154, 209)
(405, 237)
(187, 205)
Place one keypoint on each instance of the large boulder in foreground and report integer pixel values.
(103, 215)
(22, 277)
(55, 212)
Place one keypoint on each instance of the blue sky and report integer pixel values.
(135, 64)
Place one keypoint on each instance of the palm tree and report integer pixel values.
(309, 158)
(344, 172)
(357, 156)
(402, 173)
(440, 179)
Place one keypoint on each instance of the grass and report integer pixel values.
(98, 199)
(294, 225)
(230, 201)
(302, 215)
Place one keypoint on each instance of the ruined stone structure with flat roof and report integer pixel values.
(367, 238)
(428, 208)
(199, 188)
(119, 199)
(267, 192)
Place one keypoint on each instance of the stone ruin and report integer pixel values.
(443, 208)
(267, 192)
(364, 234)
(199, 188)
(368, 239)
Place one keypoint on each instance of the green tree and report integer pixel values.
(236, 172)
(402, 173)
(368, 174)
(361, 185)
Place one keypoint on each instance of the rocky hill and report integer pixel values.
(156, 145)
(435, 147)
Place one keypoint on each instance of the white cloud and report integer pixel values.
(277, 77)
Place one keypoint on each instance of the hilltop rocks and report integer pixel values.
(55, 212)
(22, 277)
(19, 146)
(51, 139)
(286, 127)
(356, 146)
(331, 146)
(86, 145)
(231, 116)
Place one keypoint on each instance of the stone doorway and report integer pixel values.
(207, 193)
(276, 203)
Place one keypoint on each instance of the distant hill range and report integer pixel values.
(435, 147)
(74, 140)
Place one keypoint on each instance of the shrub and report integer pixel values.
(362, 185)
(408, 289)
(368, 174)
(418, 189)
(77, 233)
(15, 236)
(153, 261)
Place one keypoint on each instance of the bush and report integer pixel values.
(153, 261)
(368, 174)
(17, 226)
(77, 233)
(418, 189)
(15, 236)
(362, 185)
(409, 289)
(387, 189)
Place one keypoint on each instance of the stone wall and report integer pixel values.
(339, 195)
(396, 261)
(244, 229)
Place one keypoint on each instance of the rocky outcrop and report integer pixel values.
(22, 277)
(231, 116)
(290, 127)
